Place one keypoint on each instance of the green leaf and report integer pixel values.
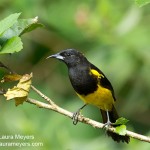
(141, 3)
(8, 22)
(12, 45)
(10, 30)
(121, 130)
(20, 27)
(121, 121)
(29, 24)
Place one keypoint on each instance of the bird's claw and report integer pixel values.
(107, 124)
(75, 117)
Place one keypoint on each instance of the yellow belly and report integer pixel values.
(102, 98)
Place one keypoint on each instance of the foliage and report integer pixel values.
(11, 28)
(121, 130)
(19, 92)
(121, 121)
(121, 127)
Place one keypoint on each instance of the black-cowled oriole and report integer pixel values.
(92, 86)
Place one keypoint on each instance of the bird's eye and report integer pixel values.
(68, 54)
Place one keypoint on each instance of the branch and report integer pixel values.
(42, 95)
(95, 124)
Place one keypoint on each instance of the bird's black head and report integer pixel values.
(71, 57)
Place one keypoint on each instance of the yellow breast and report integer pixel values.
(102, 98)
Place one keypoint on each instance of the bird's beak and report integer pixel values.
(58, 56)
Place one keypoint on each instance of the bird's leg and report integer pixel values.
(108, 123)
(76, 114)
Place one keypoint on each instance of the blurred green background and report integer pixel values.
(114, 35)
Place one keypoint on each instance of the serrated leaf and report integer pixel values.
(141, 3)
(8, 22)
(121, 130)
(11, 77)
(19, 28)
(12, 45)
(21, 91)
(121, 121)
(9, 38)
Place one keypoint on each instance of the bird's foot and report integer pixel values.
(108, 124)
(75, 117)
(76, 114)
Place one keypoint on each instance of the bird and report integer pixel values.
(92, 87)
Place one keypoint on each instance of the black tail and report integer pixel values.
(113, 116)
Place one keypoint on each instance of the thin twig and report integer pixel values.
(42, 95)
(85, 120)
